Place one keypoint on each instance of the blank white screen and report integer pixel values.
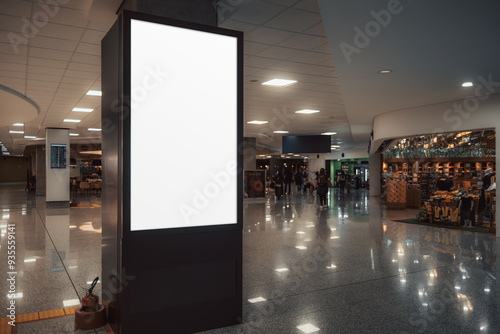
(183, 140)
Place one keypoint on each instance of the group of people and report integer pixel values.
(283, 184)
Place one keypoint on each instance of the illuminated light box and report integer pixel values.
(183, 127)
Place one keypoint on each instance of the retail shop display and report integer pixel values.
(396, 194)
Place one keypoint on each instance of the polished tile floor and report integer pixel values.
(346, 269)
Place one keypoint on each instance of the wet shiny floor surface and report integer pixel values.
(346, 269)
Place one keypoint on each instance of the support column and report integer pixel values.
(375, 170)
(41, 177)
(249, 153)
(497, 146)
(57, 164)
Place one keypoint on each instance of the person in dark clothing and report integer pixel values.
(322, 183)
(288, 181)
(444, 183)
(341, 180)
(467, 206)
(486, 184)
(298, 181)
(278, 180)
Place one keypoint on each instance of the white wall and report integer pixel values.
(57, 179)
(473, 113)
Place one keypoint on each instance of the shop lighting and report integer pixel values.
(83, 109)
(69, 120)
(336, 146)
(93, 129)
(18, 124)
(16, 132)
(29, 137)
(258, 122)
(329, 133)
(307, 111)
(94, 92)
(281, 131)
(467, 84)
(385, 71)
(73, 134)
(279, 82)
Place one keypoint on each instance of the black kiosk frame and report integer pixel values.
(173, 280)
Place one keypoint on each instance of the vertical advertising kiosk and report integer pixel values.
(172, 138)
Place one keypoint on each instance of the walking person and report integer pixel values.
(288, 181)
(323, 183)
(298, 181)
(278, 180)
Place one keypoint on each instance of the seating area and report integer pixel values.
(90, 186)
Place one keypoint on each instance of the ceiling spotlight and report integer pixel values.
(329, 133)
(279, 82)
(385, 71)
(18, 124)
(16, 132)
(29, 137)
(83, 109)
(257, 122)
(467, 84)
(281, 131)
(94, 92)
(93, 129)
(306, 111)
(73, 134)
(69, 120)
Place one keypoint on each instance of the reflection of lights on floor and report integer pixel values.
(487, 290)
(308, 328)
(280, 270)
(332, 266)
(301, 232)
(301, 247)
(335, 237)
(457, 288)
(257, 300)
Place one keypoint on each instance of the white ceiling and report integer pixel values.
(431, 46)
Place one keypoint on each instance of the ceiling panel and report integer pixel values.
(80, 4)
(304, 42)
(310, 57)
(93, 36)
(12, 24)
(89, 49)
(53, 43)
(78, 81)
(16, 8)
(44, 62)
(60, 31)
(239, 26)
(84, 67)
(308, 5)
(294, 20)
(100, 26)
(50, 54)
(19, 50)
(261, 62)
(257, 12)
(277, 52)
(317, 30)
(81, 74)
(65, 16)
(40, 77)
(268, 35)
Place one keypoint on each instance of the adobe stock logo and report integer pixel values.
(372, 29)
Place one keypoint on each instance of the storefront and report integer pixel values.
(439, 170)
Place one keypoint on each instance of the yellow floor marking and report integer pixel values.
(70, 310)
(27, 317)
(52, 314)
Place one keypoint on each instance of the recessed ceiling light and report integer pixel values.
(94, 92)
(69, 120)
(74, 134)
(329, 133)
(467, 84)
(93, 129)
(335, 145)
(29, 137)
(83, 109)
(18, 124)
(306, 111)
(296, 155)
(15, 131)
(385, 71)
(279, 82)
(257, 122)
(281, 131)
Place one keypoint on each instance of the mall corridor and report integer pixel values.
(347, 269)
